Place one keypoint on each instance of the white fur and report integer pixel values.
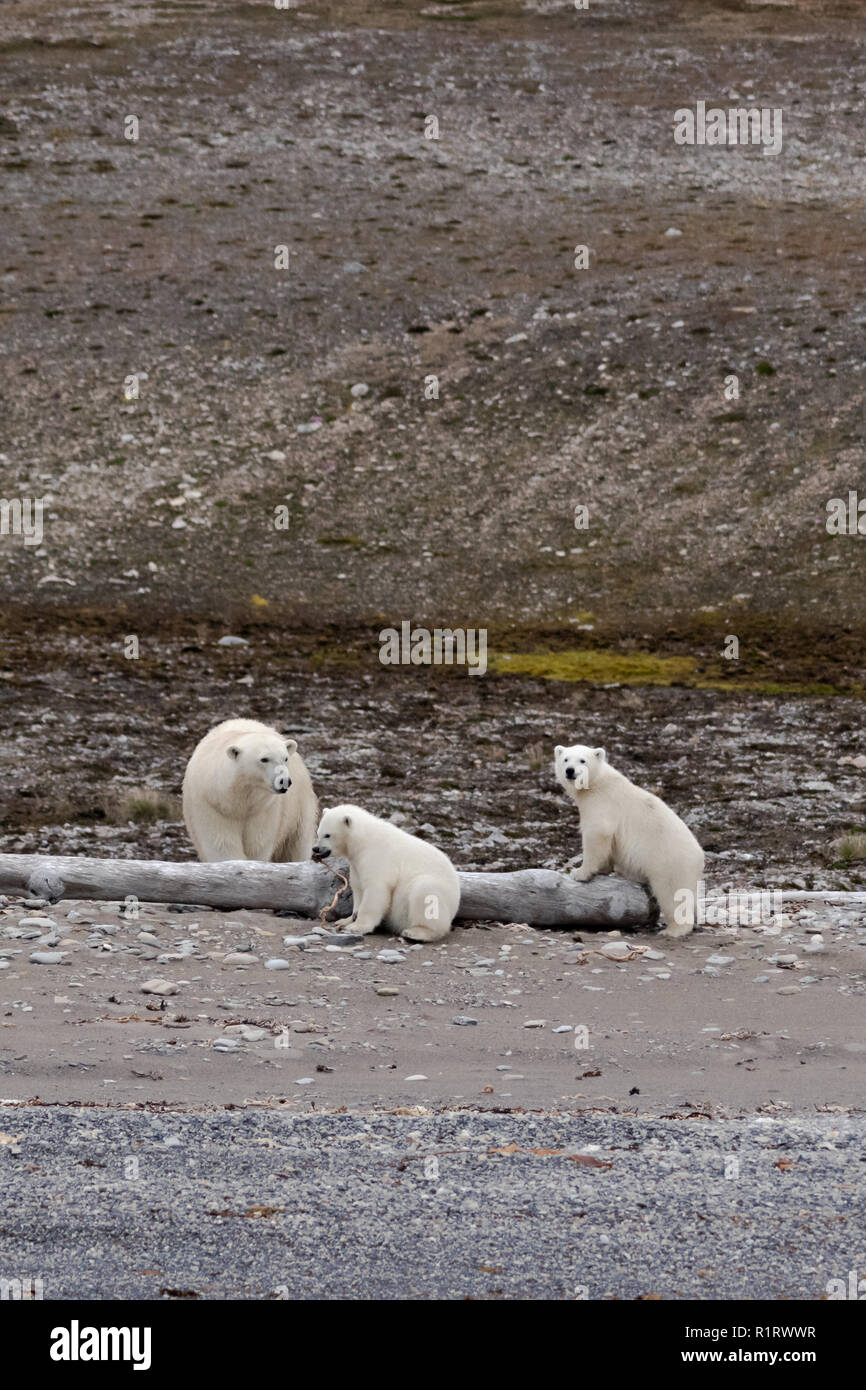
(397, 879)
(633, 833)
(230, 806)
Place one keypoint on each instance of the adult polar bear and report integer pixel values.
(396, 878)
(248, 795)
(633, 832)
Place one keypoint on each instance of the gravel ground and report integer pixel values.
(260, 1205)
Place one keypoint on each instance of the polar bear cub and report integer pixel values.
(396, 878)
(248, 795)
(632, 832)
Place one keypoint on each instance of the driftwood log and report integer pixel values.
(540, 897)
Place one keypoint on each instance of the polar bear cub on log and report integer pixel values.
(632, 832)
(397, 879)
(248, 795)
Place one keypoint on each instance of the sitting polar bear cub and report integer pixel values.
(632, 832)
(248, 795)
(396, 878)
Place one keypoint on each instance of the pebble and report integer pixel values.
(564, 1028)
(276, 963)
(387, 992)
(789, 989)
(536, 1023)
(46, 957)
(463, 1020)
(43, 923)
(157, 986)
(246, 1031)
(240, 958)
(360, 389)
(720, 960)
(391, 957)
(225, 1044)
(230, 641)
(616, 950)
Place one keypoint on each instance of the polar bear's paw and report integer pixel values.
(425, 933)
(676, 929)
(581, 875)
(343, 923)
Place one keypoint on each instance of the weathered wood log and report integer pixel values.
(540, 897)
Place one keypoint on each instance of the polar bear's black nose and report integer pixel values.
(569, 772)
(319, 853)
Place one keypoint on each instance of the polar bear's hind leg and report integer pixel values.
(429, 915)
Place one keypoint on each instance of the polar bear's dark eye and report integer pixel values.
(263, 760)
(583, 760)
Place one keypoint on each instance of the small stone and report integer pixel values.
(47, 957)
(246, 1031)
(418, 1077)
(388, 957)
(226, 1044)
(387, 992)
(41, 923)
(157, 986)
(720, 960)
(276, 963)
(616, 950)
(536, 1023)
(564, 1028)
(304, 1081)
(230, 641)
(654, 955)
(464, 1021)
(241, 958)
(789, 989)
(360, 389)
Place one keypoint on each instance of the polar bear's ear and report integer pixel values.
(600, 754)
(557, 750)
(291, 745)
(234, 751)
